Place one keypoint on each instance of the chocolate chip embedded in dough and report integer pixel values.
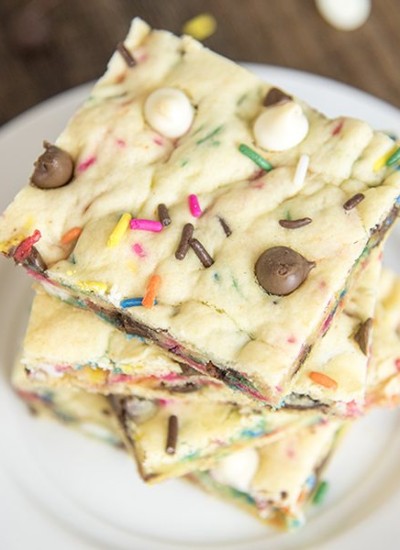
(363, 335)
(188, 387)
(53, 169)
(35, 261)
(281, 270)
(274, 96)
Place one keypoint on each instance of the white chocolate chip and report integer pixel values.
(237, 469)
(345, 15)
(140, 410)
(169, 112)
(280, 127)
(301, 172)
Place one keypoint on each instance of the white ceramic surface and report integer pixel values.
(60, 490)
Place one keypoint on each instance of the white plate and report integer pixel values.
(61, 490)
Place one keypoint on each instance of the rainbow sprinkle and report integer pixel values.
(71, 235)
(93, 375)
(320, 493)
(139, 250)
(394, 158)
(200, 27)
(384, 159)
(25, 247)
(84, 165)
(323, 380)
(146, 225)
(119, 230)
(131, 302)
(255, 157)
(338, 128)
(301, 171)
(194, 206)
(151, 291)
(92, 286)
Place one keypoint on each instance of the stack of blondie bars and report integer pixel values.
(206, 253)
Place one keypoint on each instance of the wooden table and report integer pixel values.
(290, 33)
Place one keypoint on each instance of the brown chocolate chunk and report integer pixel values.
(53, 169)
(353, 201)
(274, 96)
(280, 270)
(294, 224)
(213, 370)
(188, 387)
(363, 335)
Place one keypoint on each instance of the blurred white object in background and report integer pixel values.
(345, 15)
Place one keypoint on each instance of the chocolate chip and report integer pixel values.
(126, 54)
(213, 370)
(183, 245)
(294, 224)
(281, 270)
(188, 387)
(53, 169)
(130, 326)
(172, 435)
(274, 96)
(163, 215)
(188, 371)
(35, 261)
(201, 253)
(363, 335)
(353, 201)
(229, 376)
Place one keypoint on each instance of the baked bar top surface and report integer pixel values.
(219, 313)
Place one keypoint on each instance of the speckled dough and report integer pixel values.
(93, 416)
(384, 368)
(220, 313)
(90, 414)
(287, 476)
(67, 346)
(206, 431)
